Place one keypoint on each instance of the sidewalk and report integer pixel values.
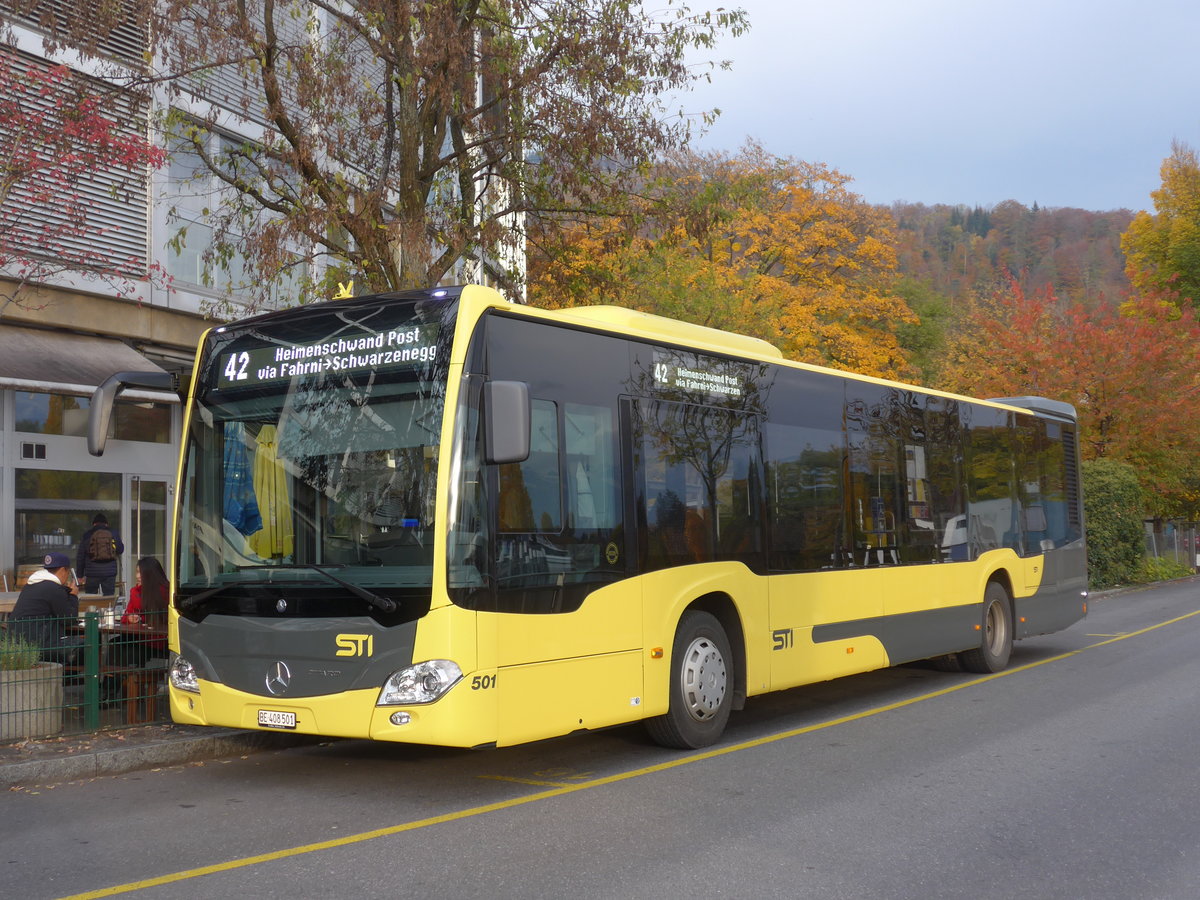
(80, 756)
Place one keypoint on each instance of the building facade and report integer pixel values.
(63, 335)
(70, 332)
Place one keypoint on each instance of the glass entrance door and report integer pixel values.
(149, 514)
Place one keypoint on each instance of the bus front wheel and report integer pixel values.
(995, 644)
(701, 689)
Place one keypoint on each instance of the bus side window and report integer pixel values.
(529, 491)
(701, 479)
(804, 481)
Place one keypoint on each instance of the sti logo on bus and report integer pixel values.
(355, 644)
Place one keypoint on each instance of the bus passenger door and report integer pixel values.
(567, 620)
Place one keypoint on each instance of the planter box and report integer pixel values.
(31, 702)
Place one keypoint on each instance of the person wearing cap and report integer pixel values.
(47, 604)
(99, 575)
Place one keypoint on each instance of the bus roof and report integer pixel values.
(674, 330)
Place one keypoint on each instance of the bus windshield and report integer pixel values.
(312, 452)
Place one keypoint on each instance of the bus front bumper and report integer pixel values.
(461, 718)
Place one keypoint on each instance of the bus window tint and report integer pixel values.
(804, 483)
(806, 458)
(991, 515)
(873, 427)
(947, 487)
(1044, 460)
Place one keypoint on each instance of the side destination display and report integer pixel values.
(398, 347)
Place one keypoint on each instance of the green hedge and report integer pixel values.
(1113, 505)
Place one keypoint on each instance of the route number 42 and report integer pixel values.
(235, 369)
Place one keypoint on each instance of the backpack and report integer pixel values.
(101, 546)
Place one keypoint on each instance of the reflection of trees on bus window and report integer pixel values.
(702, 482)
(991, 519)
(804, 483)
(947, 484)
(1048, 515)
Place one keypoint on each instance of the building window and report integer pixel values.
(195, 195)
(53, 509)
(65, 414)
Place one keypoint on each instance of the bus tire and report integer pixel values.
(701, 691)
(995, 645)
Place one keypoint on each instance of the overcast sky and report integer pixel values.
(1058, 102)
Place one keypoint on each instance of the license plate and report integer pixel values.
(271, 718)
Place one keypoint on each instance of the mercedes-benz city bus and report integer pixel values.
(438, 517)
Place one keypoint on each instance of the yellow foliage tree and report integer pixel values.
(775, 248)
(1162, 251)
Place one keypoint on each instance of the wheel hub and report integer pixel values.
(704, 679)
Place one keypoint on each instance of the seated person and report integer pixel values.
(148, 606)
(45, 607)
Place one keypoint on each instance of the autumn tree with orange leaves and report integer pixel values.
(762, 245)
(1132, 374)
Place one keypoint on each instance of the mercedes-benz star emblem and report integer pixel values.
(278, 678)
(281, 605)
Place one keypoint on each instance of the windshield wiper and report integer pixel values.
(196, 599)
(379, 602)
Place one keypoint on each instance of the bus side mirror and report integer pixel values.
(103, 398)
(506, 421)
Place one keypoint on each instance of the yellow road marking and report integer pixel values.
(561, 790)
(526, 781)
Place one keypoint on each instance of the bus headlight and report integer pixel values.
(422, 683)
(183, 675)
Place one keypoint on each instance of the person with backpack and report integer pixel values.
(96, 560)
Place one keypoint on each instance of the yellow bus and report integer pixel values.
(441, 518)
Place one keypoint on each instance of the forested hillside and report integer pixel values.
(958, 251)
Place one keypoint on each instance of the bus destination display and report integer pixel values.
(694, 374)
(379, 351)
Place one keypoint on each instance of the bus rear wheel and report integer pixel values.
(995, 644)
(701, 691)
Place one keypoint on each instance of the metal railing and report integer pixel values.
(1174, 540)
(73, 676)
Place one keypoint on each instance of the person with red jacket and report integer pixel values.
(147, 605)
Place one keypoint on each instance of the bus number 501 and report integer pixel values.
(483, 682)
